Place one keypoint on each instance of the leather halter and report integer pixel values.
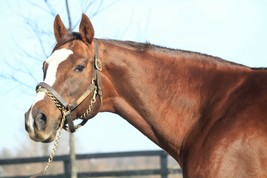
(66, 108)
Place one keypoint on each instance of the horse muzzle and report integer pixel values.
(37, 126)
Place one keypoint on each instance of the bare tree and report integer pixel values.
(41, 31)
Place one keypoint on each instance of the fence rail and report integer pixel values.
(163, 171)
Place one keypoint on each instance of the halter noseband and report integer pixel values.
(65, 108)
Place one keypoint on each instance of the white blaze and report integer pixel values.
(53, 62)
(57, 57)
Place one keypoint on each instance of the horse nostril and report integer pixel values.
(40, 121)
(26, 127)
(26, 115)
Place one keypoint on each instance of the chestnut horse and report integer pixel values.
(207, 113)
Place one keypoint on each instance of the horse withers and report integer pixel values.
(207, 113)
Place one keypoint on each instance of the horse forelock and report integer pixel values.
(66, 39)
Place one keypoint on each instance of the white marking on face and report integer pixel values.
(39, 96)
(53, 61)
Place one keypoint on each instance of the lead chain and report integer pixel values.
(52, 154)
(56, 142)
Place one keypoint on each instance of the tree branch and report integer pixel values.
(68, 14)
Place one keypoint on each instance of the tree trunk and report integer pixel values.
(73, 170)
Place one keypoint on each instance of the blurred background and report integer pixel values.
(233, 30)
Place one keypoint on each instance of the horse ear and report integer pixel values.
(59, 28)
(86, 29)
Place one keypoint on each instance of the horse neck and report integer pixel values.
(159, 92)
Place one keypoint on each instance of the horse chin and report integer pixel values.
(50, 139)
(44, 138)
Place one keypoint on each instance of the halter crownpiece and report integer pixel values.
(65, 108)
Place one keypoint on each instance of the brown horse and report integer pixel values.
(207, 113)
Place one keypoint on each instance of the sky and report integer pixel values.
(233, 30)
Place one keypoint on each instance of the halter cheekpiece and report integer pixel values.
(66, 108)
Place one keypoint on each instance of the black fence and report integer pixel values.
(163, 171)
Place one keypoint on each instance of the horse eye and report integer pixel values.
(79, 68)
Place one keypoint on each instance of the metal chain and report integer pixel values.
(90, 107)
(52, 154)
(51, 96)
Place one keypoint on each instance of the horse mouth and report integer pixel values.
(43, 138)
(49, 140)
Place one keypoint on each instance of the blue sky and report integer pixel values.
(233, 30)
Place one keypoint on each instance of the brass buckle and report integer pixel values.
(98, 64)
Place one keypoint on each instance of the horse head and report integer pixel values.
(71, 88)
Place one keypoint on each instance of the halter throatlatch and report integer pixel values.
(66, 108)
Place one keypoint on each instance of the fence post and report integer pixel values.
(164, 165)
(67, 170)
(73, 170)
